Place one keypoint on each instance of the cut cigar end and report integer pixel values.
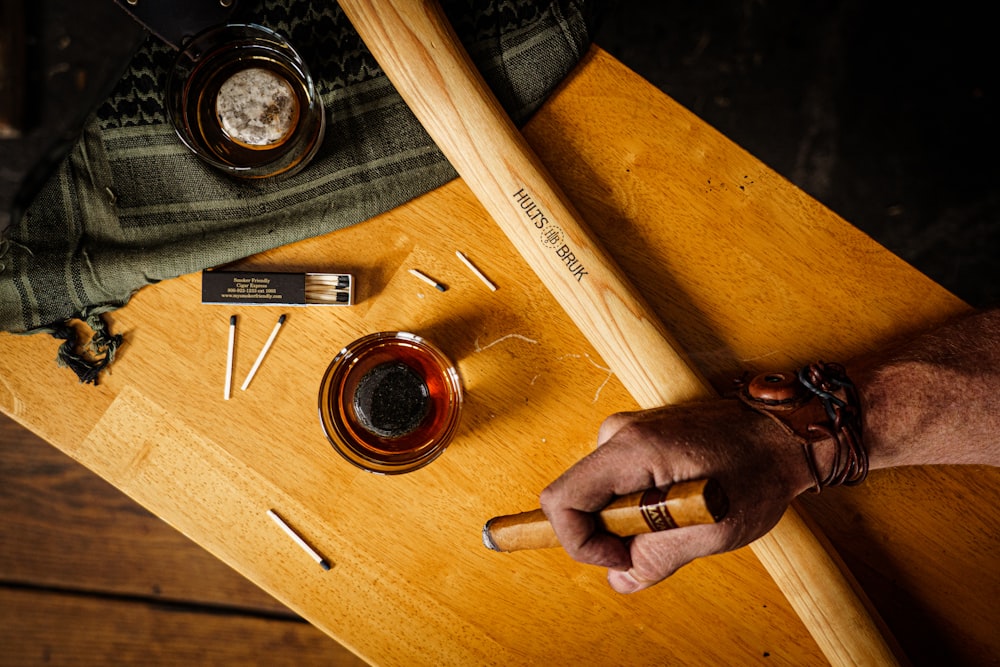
(488, 537)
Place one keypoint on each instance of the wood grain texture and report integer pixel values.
(422, 56)
(64, 629)
(89, 577)
(749, 273)
(414, 44)
(65, 528)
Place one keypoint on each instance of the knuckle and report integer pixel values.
(548, 497)
(612, 425)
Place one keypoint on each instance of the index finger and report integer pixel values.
(587, 487)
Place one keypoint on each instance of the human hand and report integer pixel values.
(760, 467)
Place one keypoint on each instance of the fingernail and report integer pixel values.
(623, 582)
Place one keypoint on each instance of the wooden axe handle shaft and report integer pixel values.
(415, 45)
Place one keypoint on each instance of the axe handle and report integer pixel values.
(413, 42)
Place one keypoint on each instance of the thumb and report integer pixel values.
(656, 556)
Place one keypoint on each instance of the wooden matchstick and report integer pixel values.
(479, 274)
(427, 279)
(327, 288)
(229, 357)
(263, 352)
(683, 504)
(323, 563)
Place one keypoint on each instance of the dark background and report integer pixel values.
(886, 112)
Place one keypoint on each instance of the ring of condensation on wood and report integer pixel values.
(257, 108)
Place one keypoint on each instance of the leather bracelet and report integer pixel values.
(816, 403)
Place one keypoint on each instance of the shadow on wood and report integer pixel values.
(89, 577)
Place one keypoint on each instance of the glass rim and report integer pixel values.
(339, 434)
(201, 51)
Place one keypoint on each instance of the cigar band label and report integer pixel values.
(654, 510)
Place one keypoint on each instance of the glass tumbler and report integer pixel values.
(241, 98)
(390, 402)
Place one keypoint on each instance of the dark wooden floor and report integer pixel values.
(88, 577)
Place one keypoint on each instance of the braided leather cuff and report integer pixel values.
(817, 403)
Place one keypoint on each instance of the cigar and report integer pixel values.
(683, 504)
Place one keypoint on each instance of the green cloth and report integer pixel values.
(131, 206)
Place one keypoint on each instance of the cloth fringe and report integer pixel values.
(97, 355)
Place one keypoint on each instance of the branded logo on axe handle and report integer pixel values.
(550, 234)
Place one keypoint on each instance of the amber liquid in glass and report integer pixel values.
(418, 427)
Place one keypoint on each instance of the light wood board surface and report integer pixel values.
(87, 577)
(746, 270)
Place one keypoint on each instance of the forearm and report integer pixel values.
(936, 398)
(933, 400)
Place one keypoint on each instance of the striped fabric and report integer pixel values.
(131, 206)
